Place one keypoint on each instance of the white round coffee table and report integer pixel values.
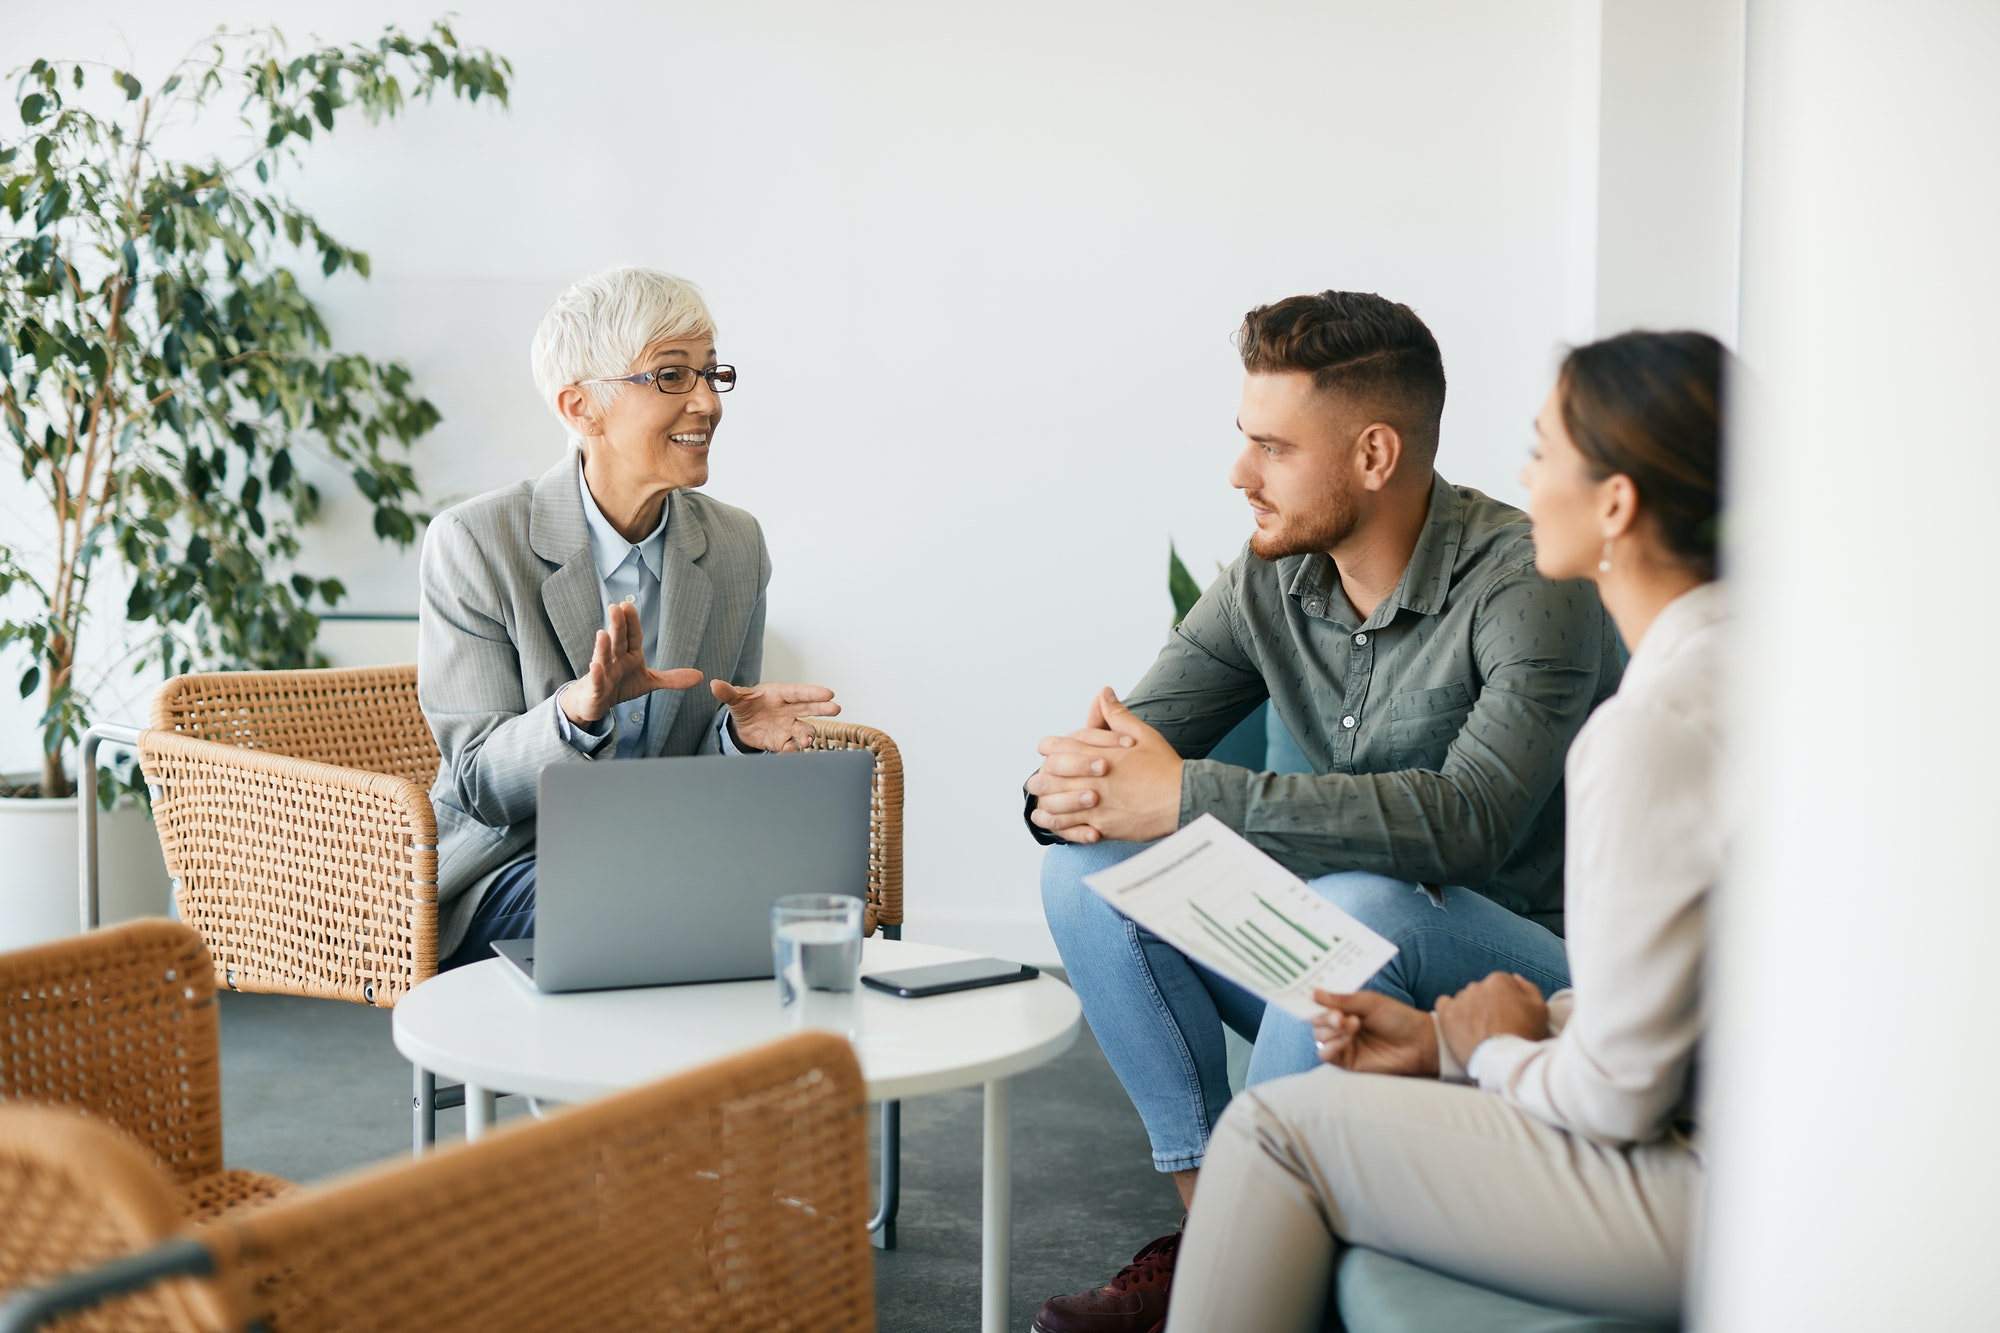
(484, 1026)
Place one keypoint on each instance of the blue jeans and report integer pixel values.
(507, 912)
(1159, 1017)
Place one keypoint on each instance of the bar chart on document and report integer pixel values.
(1219, 900)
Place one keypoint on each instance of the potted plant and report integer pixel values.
(163, 375)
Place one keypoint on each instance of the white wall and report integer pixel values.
(1665, 199)
(979, 266)
(1853, 1089)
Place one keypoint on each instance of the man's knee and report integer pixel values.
(1067, 901)
(1386, 906)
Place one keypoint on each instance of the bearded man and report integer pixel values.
(1430, 676)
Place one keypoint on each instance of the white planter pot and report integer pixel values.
(40, 885)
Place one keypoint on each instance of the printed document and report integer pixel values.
(1234, 910)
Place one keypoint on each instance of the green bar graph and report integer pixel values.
(1268, 942)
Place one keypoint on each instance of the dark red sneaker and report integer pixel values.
(1135, 1301)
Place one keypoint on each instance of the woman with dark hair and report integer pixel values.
(1542, 1148)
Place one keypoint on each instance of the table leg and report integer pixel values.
(997, 1224)
(478, 1112)
(882, 1226)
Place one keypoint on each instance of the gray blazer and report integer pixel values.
(510, 612)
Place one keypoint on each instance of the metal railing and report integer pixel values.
(118, 733)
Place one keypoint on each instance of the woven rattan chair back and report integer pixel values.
(78, 1194)
(885, 817)
(294, 812)
(120, 1024)
(734, 1197)
(364, 717)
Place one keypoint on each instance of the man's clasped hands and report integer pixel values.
(1115, 777)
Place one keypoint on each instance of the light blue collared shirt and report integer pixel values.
(627, 572)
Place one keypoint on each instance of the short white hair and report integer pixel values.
(600, 325)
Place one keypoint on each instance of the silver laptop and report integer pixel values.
(654, 872)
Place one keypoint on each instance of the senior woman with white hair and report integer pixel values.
(565, 619)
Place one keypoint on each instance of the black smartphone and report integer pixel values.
(915, 982)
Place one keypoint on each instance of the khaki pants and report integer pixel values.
(1448, 1176)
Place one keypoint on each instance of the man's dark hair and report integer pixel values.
(1374, 352)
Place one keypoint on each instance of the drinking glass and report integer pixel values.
(816, 943)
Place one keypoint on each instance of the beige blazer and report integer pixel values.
(509, 614)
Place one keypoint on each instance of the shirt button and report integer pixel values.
(629, 599)
(1348, 722)
(1315, 606)
(1361, 641)
(635, 717)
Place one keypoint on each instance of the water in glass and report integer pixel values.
(818, 958)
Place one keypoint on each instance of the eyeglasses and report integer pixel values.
(676, 379)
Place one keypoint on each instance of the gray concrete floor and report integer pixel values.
(312, 1088)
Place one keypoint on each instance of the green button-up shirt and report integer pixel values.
(1436, 728)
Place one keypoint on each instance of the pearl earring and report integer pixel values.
(1604, 565)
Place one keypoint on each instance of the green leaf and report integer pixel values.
(394, 525)
(1180, 585)
(130, 85)
(31, 678)
(31, 108)
(302, 585)
(55, 202)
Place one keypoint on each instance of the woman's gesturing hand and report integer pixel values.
(618, 670)
(1374, 1034)
(1498, 1004)
(772, 716)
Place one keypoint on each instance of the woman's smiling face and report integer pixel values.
(662, 439)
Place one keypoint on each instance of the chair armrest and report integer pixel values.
(885, 816)
(303, 878)
(83, 1202)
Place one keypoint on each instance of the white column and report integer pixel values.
(1851, 1082)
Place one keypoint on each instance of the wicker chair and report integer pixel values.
(120, 1025)
(80, 1194)
(731, 1198)
(294, 810)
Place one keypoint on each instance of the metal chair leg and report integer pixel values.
(424, 1131)
(882, 1226)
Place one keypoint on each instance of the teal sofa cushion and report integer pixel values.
(1380, 1294)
